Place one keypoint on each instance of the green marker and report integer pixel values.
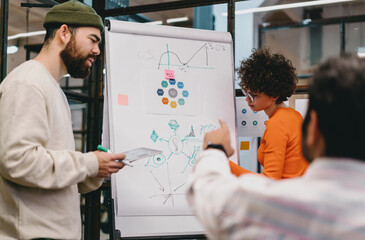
(103, 149)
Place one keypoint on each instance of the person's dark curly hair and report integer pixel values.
(271, 74)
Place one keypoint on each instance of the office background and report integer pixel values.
(306, 32)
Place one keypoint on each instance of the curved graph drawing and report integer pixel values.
(204, 49)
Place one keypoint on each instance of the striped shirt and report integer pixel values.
(328, 202)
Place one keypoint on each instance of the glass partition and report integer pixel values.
(305, 46)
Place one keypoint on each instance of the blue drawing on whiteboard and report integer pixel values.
(192, 158)
(156, 160)
(206, 128)
(178, 146)
(154, 136)
(199, 59)
(173, 58)
(174, 125)
(192, 133)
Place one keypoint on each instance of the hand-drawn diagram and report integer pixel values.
(176, 91)
(176, 146)
(180, 149)
(184, 65)
(173, 87)
(170, 192)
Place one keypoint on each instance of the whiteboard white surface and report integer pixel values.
(166, 87)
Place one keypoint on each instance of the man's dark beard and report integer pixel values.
(74, 61)
(305, 149)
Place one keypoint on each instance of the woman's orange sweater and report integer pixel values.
(280, 151)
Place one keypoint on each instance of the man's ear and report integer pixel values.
(312, 130)
(64, 34)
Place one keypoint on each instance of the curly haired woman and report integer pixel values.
(267, 80)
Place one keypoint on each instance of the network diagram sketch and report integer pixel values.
(183, 149)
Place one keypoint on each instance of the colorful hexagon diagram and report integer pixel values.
(160, 92)
(172, 81)
(172, 89)
(165, 100)
(185, 93)
(164, 84)
(173, 104)
(181, 101)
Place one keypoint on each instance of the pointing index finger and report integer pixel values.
(222, 123)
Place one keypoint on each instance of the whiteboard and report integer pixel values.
(165, 88)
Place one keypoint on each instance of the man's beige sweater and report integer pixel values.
(41, 174)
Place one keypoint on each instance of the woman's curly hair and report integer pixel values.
(272, 74)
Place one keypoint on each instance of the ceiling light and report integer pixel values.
(28, 34)
(12, 49)
(287, 6)
(306, 21)
(175, 20)
(154, 23)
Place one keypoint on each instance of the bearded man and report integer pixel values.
(41, 174)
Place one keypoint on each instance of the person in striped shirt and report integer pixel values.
(327, 202)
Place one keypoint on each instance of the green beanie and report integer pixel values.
(73, 13)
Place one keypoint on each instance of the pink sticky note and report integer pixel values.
(169, 74)
(123, 99)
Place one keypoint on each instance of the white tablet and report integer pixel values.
(139, 153)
